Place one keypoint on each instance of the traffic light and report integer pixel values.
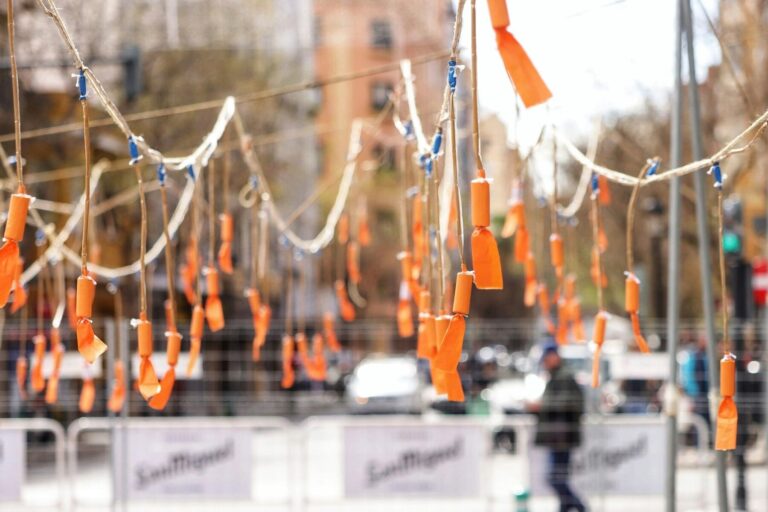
(733, 228)
(132, 73)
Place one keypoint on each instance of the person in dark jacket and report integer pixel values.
(559, 428)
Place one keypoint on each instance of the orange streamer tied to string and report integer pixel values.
(446, 361)
(227, 236)
(404, 312)
(288, 374)
(14, 233)
(189, 269)
(727, 413)
(195, 336)
(57, 352)
(632, 306)
(87, 395)
(346, 308)
(485, 253)
(531, 284)
(19, 293)
(520, 69)
(88, 344)
(149, 385)
(329, 331)
(38, 382)
(21, 376)
(117, 397)
(214, 311)
(71, 307)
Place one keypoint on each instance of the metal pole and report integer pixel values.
(673, 310)
(705, 265)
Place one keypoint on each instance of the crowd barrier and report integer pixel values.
(340, 462)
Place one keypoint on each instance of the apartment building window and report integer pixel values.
(380, 92)
(381, 34)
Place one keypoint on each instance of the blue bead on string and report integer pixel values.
(39, 237)
(717, 174)
(653, 168)
(437, 143)
(191, 172)
(161, 174)
(254, 182)
(82, 84)
(595, 184)
(452, 75)
(133, 151)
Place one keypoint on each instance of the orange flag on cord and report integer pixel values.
(288, 350)
(38, 382)
(449, 348)
(404, 312)
(173, 347)
(19, 293)
(149, 385)
(14, 233)
(57, 351)
(727, 413)
(485, 253)
(195, 336)
(632, 305)
(520, 69)
(21, 376)
(346, 308)
(227, 236)
(88, 344)
(214, 312)
(329, 331)
(117, 398)
(87, 395)
(601, 319)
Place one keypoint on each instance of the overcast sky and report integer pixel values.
(597, 56)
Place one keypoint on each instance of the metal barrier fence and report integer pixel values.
(27, 466)
(251, 462)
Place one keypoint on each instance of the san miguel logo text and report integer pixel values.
(409, 461)
(181, 463)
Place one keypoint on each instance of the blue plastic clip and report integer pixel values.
(452, 75)
(82, 84)
(437, 142)
(161, 173)
(408, 126)
(717, 174)
(191, 172)
(254, 181)
(653, 168)
(39, 237)
(133, 151)
(595, 184)
(428, 167)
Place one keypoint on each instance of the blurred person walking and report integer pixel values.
(559, 427)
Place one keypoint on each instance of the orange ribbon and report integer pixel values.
(14, 233)
(117, 398)
(57, 351)
(346, 308)
(632, 306)
(227, 236)
(353, 261)
(446, 361)
(195, 336)
(88, 344)
(601, 320)
(21, 376)
(38, 382)
(149, 385)
(288, 374)
(404, 312)
(485, 253)
(87, 396)
(727, 413)
(214, 312)
(19, 293)
(520, 69)
(329, 331)
(173, 347)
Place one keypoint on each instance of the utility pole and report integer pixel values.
(705, 265)
(673, 307)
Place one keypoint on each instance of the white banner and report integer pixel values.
(614, 459)
(416, 460)
(12, 464)
(167, 462)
